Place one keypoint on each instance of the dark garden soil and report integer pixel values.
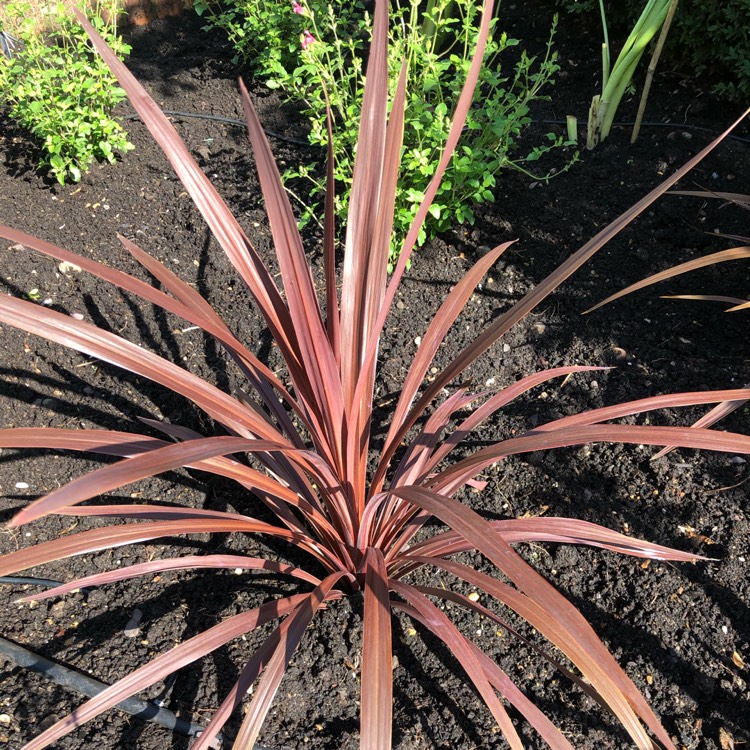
(681, 632)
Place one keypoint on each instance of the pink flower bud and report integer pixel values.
(297, 8)
(307, 39)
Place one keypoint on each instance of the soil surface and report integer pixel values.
(682, 632)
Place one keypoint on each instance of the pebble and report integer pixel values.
(506, 348)
(67, 267)
(132, 629)
(22, 485)
(4, 719)
(539, 327)
(737, 460)
(77, 316)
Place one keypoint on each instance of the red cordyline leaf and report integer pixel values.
(188, 562)
(450, 479)
(216, 213)
(547, 610)
(652, 403)
(735, 253)
(156, 670)
(240, 689)
(140, 467)
(497, 678)
(363, 204)
(333, 322)
(547, 529)
(434, 336)
(116, 536)
(739, 199)
(333, 556)
(96, 342)
(439, 624)
(290, 634)
(736, 302)
(712, 417)
(377, 667)
(360, 413)
(321, 375)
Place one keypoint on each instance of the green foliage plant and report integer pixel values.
(58, 89)
(314, 51)
(298, 441)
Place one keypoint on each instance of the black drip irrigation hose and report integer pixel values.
(229, 121)
(298, 142)
(675, 125)
(81, 683)
(24, 580)
(71, 680)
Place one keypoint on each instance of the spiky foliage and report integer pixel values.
(309, 437)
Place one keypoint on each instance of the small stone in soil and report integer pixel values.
(132, 629)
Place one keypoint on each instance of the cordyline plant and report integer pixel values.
(310, 440)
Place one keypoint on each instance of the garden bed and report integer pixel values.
(681, 632)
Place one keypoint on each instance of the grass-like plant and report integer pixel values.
(58, 89)
(301, 445)
(616, 78)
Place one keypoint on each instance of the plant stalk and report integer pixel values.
(652, 69)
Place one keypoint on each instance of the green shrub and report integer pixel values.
(312, 47)
(58, 89)
(707, 38)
